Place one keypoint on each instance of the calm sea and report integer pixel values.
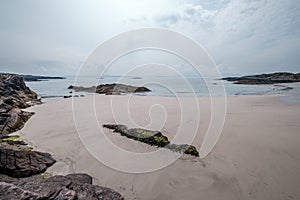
(165, 86)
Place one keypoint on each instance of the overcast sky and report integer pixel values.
(53, 37)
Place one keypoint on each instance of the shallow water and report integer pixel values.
(167, 86)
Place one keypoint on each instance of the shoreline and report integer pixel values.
(251, 131)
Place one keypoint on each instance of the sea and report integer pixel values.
(165, 86)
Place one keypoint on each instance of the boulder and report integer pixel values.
(72, 186)
(20, 161)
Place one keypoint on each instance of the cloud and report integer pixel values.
(194, 14)
(244, 36)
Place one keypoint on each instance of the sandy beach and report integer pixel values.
(256, 157)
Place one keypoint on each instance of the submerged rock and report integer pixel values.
(72, 186)
(154, 138)
(110, 89)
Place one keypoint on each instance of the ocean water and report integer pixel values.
(165, 86)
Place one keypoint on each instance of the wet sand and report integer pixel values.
(256, 157)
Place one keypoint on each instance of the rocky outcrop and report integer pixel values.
(70, 187)
(14, 95)
(154, 138)
(110, 89)
(14, 92)
(12, 119)
(18, 160)
(273, 78)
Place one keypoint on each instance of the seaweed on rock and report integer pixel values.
(153, 138)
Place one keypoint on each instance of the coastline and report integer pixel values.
(256, 156)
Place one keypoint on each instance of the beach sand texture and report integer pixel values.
(256, 157)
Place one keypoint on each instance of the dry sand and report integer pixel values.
(256, 157)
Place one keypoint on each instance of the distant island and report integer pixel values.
(110, 89)
(39, 78)
(272, 78)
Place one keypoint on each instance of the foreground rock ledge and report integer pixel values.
(70, 187)
(18, 160)
(110, 89)
(154, 138)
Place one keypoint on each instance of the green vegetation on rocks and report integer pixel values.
(46, 175)
(10, 138)
(153, 138)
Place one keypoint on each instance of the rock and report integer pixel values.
(110, 89)
(273, 78)
(12, 85)
(154, 138)
(14, 95)
(13, 120)
(183, 148)
(72, 186)
(18, 161)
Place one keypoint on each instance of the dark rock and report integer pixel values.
(13, 85)
(73, 186)
(16, 142)
(183, 148)
(14, 95)
(80, 178)
(7, 179)
(273, 78)
(13, 121)
(154, 138)
(110, 89)
(17, 161)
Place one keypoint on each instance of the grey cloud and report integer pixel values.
(167, 20)
(246, 36)
(195, 14)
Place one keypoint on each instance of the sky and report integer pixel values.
(54, 37)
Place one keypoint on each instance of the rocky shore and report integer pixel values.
(272, 78)
(21, 166)
(14, 95)
(110, 89)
